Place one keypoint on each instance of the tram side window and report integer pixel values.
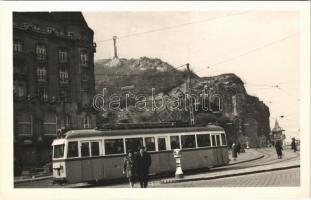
(150, 143)
(133, 144)
(85, 149)
(175, 142)
(59, 151)
(72, 149)
(213, 140)
(114, 146)
(218, 140)
(204, 140)
(188, 141)
(223, 139)
(161, 144)
(95, 148)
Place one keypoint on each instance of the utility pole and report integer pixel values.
(115, 47)
(188, 92)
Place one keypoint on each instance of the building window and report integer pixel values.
(19, 89)
(67, 121)
(42, 93)
(63, 56)
(83, 58)
(41, 74)
(41, 52)
(24, 124)
(17, 46)
(85, 98)
(87, 122)
(50, 124)
(63, 77)
(63, 94)
(85, 76)
(19, 67)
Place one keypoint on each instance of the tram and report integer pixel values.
(89, 155)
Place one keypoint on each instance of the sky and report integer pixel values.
(261, 47)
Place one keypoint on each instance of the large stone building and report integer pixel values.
(53, 80)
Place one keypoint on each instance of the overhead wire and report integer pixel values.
(172, 27)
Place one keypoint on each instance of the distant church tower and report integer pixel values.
(115, 60)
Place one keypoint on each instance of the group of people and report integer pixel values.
(136, 165)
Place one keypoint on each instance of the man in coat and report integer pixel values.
(143, 162)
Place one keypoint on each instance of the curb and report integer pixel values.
(32, 179)
(167, 181)
(259, 157)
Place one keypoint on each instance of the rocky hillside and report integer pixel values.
(244, 117)
(138, 74)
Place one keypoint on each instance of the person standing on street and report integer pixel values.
(129, 168)
(294, 146)
(143, 163)
(279, 148)
(234, 151)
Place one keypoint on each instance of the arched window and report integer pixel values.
(24, 124)
(41, 52)
(83, 58)
(87, 121)
(49, 124)
(63, 55)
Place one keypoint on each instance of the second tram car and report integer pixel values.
(95, 155)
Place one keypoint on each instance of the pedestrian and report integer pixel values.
(234, 151)
(129, 168)
(238, 148)
(278, 148)
(143, 161)
(294, 146)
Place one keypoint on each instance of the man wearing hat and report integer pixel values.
(143, 161)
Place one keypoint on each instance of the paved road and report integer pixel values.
(286, 178)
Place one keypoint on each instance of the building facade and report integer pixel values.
(53, 69)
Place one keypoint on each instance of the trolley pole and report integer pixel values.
(188, 93)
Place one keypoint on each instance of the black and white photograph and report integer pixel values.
(138, 99)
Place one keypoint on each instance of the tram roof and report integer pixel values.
(98, 133)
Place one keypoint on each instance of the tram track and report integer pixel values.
(268, 159)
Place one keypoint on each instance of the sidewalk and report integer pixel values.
(238, 172)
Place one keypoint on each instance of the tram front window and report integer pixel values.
(72, 149)
(114, 146)
(223, 139)
(188, 141)
(175, 142)
(59, 151)
(85, 149)
(150, 143)
(204, 140)
(133, 144)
